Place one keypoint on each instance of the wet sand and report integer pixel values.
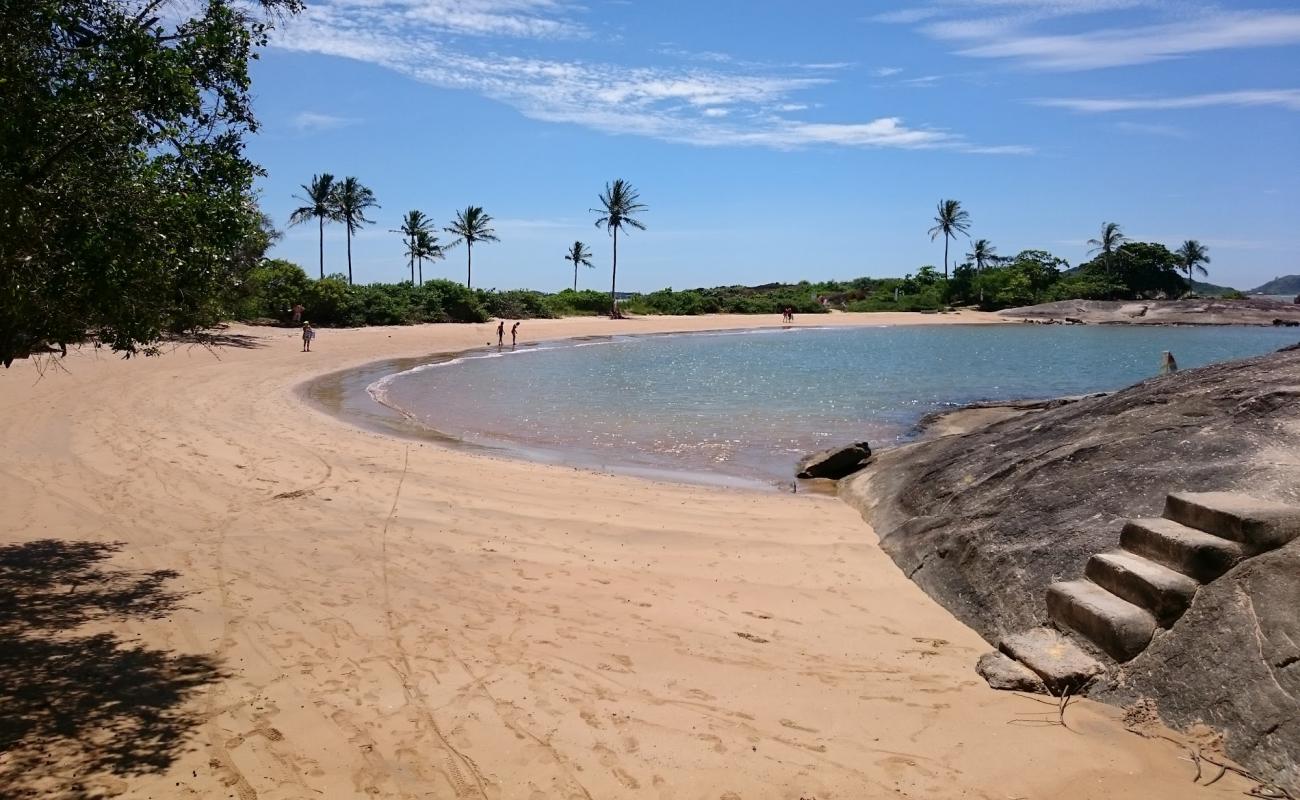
(346, 614)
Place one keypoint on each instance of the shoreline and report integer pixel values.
(386, 618)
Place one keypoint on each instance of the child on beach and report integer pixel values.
(308, 333)
(514, 333)
(501, 333)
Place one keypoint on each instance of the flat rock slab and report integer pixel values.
(1062, 664)
(1259, 524)
(1002, 672)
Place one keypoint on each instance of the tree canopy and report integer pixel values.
(126, 202)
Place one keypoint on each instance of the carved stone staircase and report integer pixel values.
(1126, 595)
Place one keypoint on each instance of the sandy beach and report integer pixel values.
(215, 590)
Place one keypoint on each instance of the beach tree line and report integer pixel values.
(325, 200)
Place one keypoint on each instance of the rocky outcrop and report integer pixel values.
(1251, 311)
(986, 521)
(836, 463)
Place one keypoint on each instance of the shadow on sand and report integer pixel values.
(80, 712)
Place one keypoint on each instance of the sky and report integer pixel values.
(780, 141)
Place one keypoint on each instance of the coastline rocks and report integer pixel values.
(836, 463)
(1251, 311)
(984, 522)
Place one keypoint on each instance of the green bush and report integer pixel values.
(568, 303)
(515, 304)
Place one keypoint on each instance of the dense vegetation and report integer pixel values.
(126, 202)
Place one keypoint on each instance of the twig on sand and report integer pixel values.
(1061, 703)
(1262, 788)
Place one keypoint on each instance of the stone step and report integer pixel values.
(1142, 582)
(1260, 525)
(1062, 664)
(1201, 555)
(1115, 625)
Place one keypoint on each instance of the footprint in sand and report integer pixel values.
(751, 637)
(794, 726)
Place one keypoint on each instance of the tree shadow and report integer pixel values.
(77, 707)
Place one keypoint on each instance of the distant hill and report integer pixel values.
(1211, 290)
(1287, 284)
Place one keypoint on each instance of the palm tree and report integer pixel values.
(982, 253)
(1112, 238)
(619, 207)
(1192, 255)
(580, 256)
(351, 199)
(413, 224)
(426, 246)
(470, 226)
(319, 205)
(950, 220)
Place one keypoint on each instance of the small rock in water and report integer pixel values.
(836, 463)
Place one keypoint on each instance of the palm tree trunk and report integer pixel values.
(322, 247)
(349, 256)
(613, 281)
(421, 261)
(945, 256)
(469, 264)
(575, 276)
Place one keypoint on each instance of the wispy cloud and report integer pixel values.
(1281, 98)
(717, 104)
(1151, 129)
(312, 121)
(1005, 29)
(885, 72)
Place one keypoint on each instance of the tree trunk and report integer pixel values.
(349, 256)
(575, 276)
(469, 264)
(945, 256)
(322, 247)
(421, 262)
(613, 281)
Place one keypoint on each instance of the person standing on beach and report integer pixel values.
(514, 334)
(308, 333)
(501, 333)
(297, 312)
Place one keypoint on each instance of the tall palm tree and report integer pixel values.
(351, 199)
(1111, 239)
(580, 256)
(982, 253)
(1192, 255)
(470, 226)
(413, 224)
(950, 220)
(619, 207)
(426, 246)
(318, 204)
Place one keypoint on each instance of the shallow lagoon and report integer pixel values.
(744, 406)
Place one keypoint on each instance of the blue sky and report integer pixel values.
(780, 140)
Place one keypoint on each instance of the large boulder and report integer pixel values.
(836, 463)
(985, 521)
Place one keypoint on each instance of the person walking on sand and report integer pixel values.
(297, 312)
(501, 333)
(308, 333)
(514, 334)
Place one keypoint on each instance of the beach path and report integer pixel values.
(217, 591)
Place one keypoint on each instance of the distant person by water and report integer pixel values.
(514, 333)
(1167, 363)
(501, 333)
(297, 312)
(308, 333)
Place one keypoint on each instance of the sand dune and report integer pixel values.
(352, 615)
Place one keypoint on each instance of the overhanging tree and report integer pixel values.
(126, 203)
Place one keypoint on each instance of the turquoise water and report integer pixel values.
(744, 406)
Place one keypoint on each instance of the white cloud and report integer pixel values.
(713, 105)
(1004, 29)
(1151, 129)
(885, 72)
(1281, 98)
(313, 121)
